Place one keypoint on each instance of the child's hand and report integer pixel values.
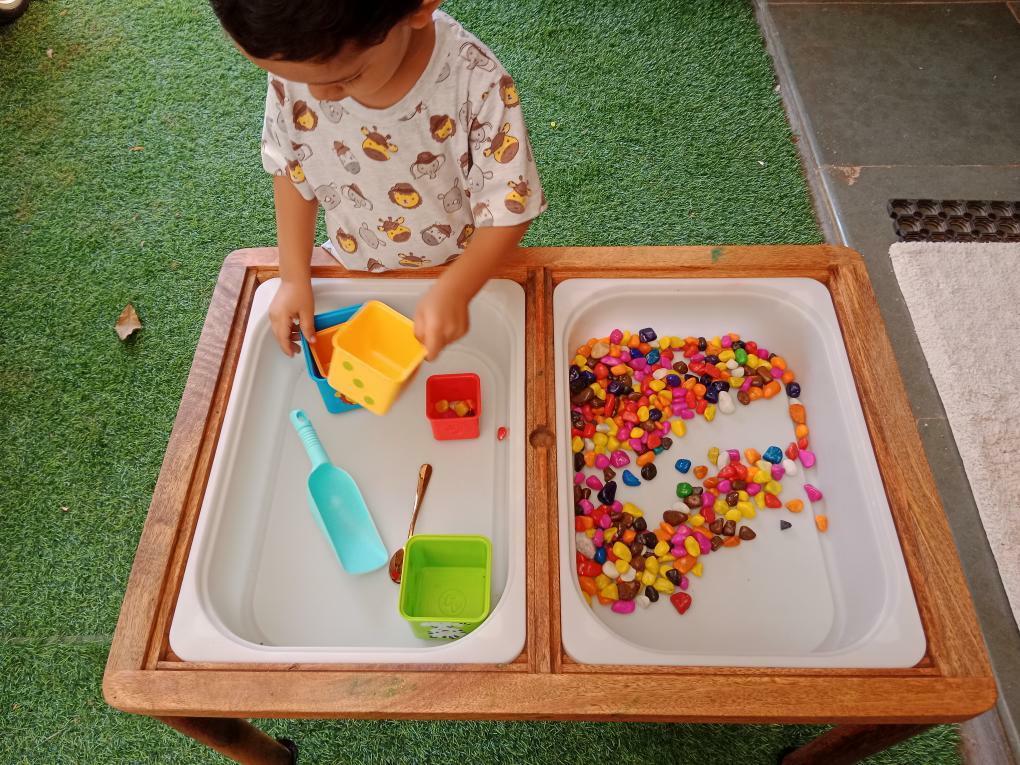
(294, 300)
(441, 318)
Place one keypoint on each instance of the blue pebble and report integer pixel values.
(658, 450)
(600, 555)
(773, 454)
(630, 479)
(683, 465)
(673, 381)
(653, 356)
(793, 390)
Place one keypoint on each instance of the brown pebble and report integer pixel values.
(674, 517)
(625, 522)
(732, 498)
(650, 539)
(738, 485)
(628, 590)
(716, 526)
(757, 382)
(729, 528)
(640, 524)
(638, 563)
(666, 443)
(746, 532)
(674, 576)
(716, 543)
(680, 368)
(743, 398)
(693, 501)
(583, 396)
(637, 549)
(608, 474)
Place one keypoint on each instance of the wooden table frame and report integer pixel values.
(873, 707)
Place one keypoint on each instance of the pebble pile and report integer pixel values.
(630, 396)
(446, 408)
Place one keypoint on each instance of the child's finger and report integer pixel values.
(281, 330)
(307, 321)
(433, 342)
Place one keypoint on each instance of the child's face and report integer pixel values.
(355, 72)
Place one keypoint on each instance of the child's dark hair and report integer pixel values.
(308, 30)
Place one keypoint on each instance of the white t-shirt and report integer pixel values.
(407, 186)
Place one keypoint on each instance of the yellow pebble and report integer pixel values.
(580, 361)
(637, 432)
(666, 395)
(652, 565)
(692, 546)
(621, 551)
(733, 514)
(577, 444)
(666, 559)
(601, 582)
(610, 592)
(678, 427)
(662, 548)
(656, 385)
(610, 534)
(697, 520)
(600, 439)
(621, 564)
(710, 412)
(759, 499)
(642, 415)
(632, 509)
(663, 585)
(590, 533)
(727, 355)
(587, 597)
(773, 487)
(753, 361)
(647, 577)
(612, 445)
(749, 511)
(720, 506)
(600, 392)
(713, 455)
(743, 496)
(697, 568)
(761, 477)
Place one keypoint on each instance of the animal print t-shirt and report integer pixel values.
(409, 185)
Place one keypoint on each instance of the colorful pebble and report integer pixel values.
(682, 465)
(630, 479)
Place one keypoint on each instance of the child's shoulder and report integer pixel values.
(468, 63)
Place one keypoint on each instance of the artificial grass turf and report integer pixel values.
(128, 170)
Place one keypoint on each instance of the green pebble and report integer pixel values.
(740, 355)
(684, 489)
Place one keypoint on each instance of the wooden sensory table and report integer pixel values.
(872, 708)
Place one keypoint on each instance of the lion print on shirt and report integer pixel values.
(304, 117)
(404, 195)
(508, 92)
(442, 126)
(346, 241)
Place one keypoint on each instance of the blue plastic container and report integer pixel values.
(334, 404)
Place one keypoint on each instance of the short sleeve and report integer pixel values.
(278, 156)
(503, 177)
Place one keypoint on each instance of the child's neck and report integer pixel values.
(415, 62)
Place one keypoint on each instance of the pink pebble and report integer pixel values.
(724, 486)
(578, 478)
(601, 461)
(619, 459)
(763, 354)
(676, 539)
(677, 409)
(594, 483)
(636, 445)
(639, 363)
(610, 361)
(746, 385)
(605, 521)
(599, 537)
(753, 488)
(587, 506)
(623, 606)
(703, 543)
(617, 506)
(684, 532)
(616, 337)
(727, 342)
(812, 493)
(625, 355)
(778, 471)
(640, 376)
(777, 373)
(707, 499)
(698, 357)
(687, 414)
(734, 455)
(684, 582)
(807, 459)
(677, 551)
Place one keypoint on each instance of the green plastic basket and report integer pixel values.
(444, 590)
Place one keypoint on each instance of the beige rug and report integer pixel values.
(965, 303)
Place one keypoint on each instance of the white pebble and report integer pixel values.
(584, 544)
(738, 372)
(731, 364)
(643, 602)
(658, 374)
(602, 428)
(726, 405)
(589, 445)
(628, 575)
(609, 569)
(790, 466)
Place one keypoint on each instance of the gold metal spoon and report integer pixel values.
(397, 561)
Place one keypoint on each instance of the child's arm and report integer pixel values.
(295, 227)
(442, 315)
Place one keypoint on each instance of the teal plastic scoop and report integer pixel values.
(338, 506)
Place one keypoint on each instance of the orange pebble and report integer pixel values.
(778, 361)
(684, 564)
(710, 483)
(772, 388)
(587, 585)
(667, 529)
(699, 390)
(754, 393)
(628, 536)
(822, 522)
(634, 341)
(788, 377)
(589, 459)
(700, 471)
(797, 414)
(646, 458)
(801, 431)
(644, 348)
(731, 541)
(751, 455)
(662, 536)
(604, 601)
(689, 383)
(795, 505)
(584, 522)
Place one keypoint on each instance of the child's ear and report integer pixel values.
(423, 16)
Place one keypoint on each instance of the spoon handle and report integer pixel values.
(424, 475)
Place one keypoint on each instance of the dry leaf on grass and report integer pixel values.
(127, 322)
(49, 53)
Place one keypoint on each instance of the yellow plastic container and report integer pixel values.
(375, 353)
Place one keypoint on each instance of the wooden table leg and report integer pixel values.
(848, 744)
(237, 739)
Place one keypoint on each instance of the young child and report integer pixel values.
(406, 130)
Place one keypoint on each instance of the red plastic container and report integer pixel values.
(458, 387)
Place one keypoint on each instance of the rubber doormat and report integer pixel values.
(952, 220)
